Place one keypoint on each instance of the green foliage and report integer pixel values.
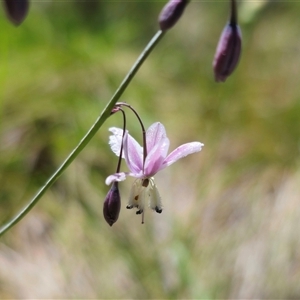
(230, 224)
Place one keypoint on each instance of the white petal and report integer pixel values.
(182, 151)
(115, 177)
(155, 133)
(155, 199)
(137, 195)
(132, 151)
(115, 140)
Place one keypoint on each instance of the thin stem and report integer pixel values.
(142, 125)
(233, 13)
(121, 148)
(89, 135)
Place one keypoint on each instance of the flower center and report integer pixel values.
(145, 182)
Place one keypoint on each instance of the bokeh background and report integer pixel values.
(231, 223)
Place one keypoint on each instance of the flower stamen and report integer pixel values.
(158, 210)
(145, 182)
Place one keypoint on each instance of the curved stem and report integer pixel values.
(142, 125)
(121, 148)
(89, 135)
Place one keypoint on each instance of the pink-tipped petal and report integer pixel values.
(182, 151)
(115, 177)
(133, 153)
(155, 133)
(156, 157)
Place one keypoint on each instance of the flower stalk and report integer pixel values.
(90, 134)
(142, 125)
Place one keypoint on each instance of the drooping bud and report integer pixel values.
(16, 10)
(171, 13)
(112, 204)
(229, 48)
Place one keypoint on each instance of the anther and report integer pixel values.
(158, 210)
(145, 182)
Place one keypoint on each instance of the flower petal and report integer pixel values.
(155, 202)
(181, 152)
(156, 157)
(136, 175)
(115, 140)
(133, 153)
(137, 195)
(115, 177)
(155, 133)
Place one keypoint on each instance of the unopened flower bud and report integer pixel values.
(229, 47)
(112, 204)
(228, 52)
(171, 13)
(16, 10)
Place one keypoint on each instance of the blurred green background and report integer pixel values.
(231, 223)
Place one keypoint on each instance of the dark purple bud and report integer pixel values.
(112, 204)
(16, 10)
(229, 47)
(228, 52)
(171, 13)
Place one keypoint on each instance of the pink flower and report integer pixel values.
(144, 168)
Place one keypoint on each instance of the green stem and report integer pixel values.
(90, 134)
